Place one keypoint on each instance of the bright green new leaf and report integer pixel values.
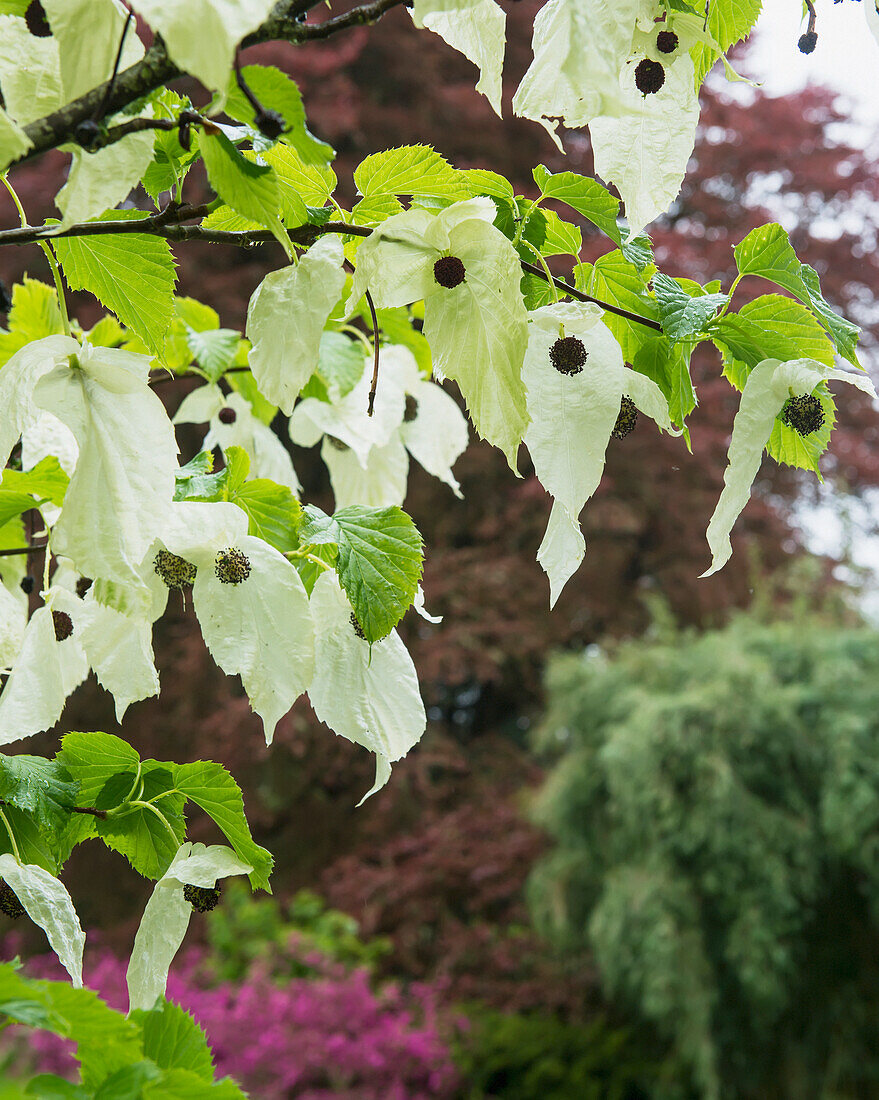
(276, 91)
(213, 349)
(583, 194)
(273, 513)
(339, 367)
(147, 839)
(94, 758)
(131, 273)
(173, 1040)
(410, 170)
(40, 787)
(214, 790)
(46, 480)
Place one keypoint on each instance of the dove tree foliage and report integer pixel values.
(434, 275)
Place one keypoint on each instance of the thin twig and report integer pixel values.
(87, 810)
(102, 110)
(370, 408)
(22, 550)
(581, 297)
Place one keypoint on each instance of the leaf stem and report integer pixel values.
(546, 272)
(370, 407)
(15, 850)
(154, 809)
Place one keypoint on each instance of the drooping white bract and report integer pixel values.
(45, 672)
(871, 12)
(18, 378)
(410, 414)
(477, 29)
(768, 387)
(579, 47)
(166, 917)
(13, 618)
(260, 627)
(644, 147)
(14, 142)
(124, 478)
(87, 33)
(268, 455)
(476, 329)
(368, 694)
(201, 36)
(286, 318)
(572, 417)
(47, 903)
(33, 90)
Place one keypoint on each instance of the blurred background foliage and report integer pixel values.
(702, 862)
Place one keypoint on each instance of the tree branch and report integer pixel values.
(572, 292)
(156, 69)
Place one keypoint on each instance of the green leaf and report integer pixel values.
(409, 170)
(560, 237)
(276, 91)
(583, 194)
(172, 1039)
(668, 365)
(379, 564)
(681, 314)
(244, 383)
(768, 253)
(34, 312)
(273, 513)
(340, 367)
(250, 189)
(180, 1084)
(212, 788)
(202, 463)
(214, 349)
(770, 327)
(614, 279)
(93, 758)
(133, 274)
(219, 486)
(309, 570)
(40, 787)
(138, 832)
(128, 1082)
(35, 846)
(48, 1086)
(313, 182)
(170, 161)
(47, 481)
(13, 504)
(375, 208)
(484, 182)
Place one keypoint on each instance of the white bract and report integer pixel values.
(368, 694)
(286, 318)
(268, 455)
(572, 417)
(579, 48)
(87, 33)
(48, 904)
(259, 627)
(768, 387)
(426, 422)
(201, 35)
(476, 329)
(477, 29)
(117, 498)
(18, 378)
(166, 917)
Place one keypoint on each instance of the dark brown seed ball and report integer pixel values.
(87, 134)
(358, 629)
(449, 271)
(626, 420)
(83, 585)
(35, 18)
(9, 903)
(568, 355)
(667, 42)
(63, 625)
(803, 414)
(411, 409)
(176, 572)
(232, 566)
(227, 415)
(808, 42)
(27, 584)
(202, 898)
(270, 124)
(649, 76)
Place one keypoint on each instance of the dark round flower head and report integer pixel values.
(232, 566)
(649, 76)
(568, 355)
(175, 572)
(202, 898)
(227, 415)
(667, 42)
(626, 420)
(35, 18)
(804, 414)
(83, 585)
(63, 625)
(9, 903)
(270, 124)
(27, 584)
(358, 629)
(449, 271)
(337, 444)
(411, 409)
(87, 134)
(5, 298)
(808, 42)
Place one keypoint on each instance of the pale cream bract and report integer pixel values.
(166, 917)
(477, 29)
